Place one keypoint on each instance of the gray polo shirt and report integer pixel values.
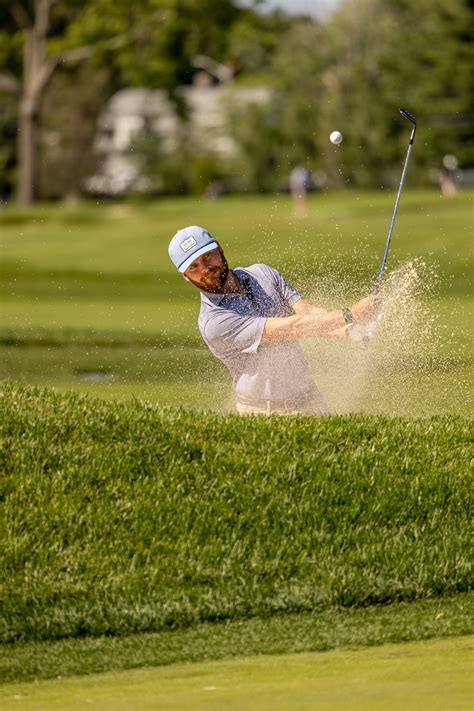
(232, 326)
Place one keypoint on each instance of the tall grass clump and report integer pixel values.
(121, 517)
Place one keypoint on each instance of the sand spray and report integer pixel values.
(408, 367)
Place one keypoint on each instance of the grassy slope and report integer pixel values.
(83, 288)
(123, 518)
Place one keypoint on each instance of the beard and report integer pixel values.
(216, 282)
(223, 275)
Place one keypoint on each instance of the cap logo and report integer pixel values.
(188, 244)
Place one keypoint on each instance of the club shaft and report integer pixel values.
(392, 222)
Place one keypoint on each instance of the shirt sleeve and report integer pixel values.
(228, 333)
(288, 295)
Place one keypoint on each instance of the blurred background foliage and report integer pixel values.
(349, 71)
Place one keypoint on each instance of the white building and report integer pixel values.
(131, 112)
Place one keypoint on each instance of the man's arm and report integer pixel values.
(304, 307)
(309, 320)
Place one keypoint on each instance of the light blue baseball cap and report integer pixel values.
(188, 244)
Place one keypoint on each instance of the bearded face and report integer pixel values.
(209, 271)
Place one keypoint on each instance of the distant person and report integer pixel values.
(447, 176)
(252, 319)
(299, 183)
(214, 190)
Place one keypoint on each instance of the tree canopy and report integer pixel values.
(354, 71)
(351, 72)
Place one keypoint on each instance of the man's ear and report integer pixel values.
(186, 278)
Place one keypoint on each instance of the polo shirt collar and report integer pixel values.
(215, 299)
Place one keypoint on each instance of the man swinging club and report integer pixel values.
(252, 319)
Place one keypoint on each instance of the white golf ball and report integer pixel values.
(336, 137)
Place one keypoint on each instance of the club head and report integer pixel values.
(408, 115)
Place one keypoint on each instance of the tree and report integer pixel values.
(27, 35)
(148, 42)
(299, 94)
(379, 55)
(275, 137)
(7, 144)
(353, 71)
(68, 117)
(256, 132)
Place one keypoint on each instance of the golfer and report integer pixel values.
(252, 319)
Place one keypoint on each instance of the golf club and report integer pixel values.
(408, 115)
(364, 333)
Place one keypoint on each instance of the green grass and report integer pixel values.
(320, 630)
(117, 241)
(134, 535)
(123, 518)
(96, 282)
(433, 675)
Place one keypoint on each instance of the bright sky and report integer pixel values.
(316, 8)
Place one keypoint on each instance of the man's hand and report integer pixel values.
(366, 309)
(363, 332)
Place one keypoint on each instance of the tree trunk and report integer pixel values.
(37, 70)
(27, 146)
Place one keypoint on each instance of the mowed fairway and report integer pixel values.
(434, 675)
(91, 301)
